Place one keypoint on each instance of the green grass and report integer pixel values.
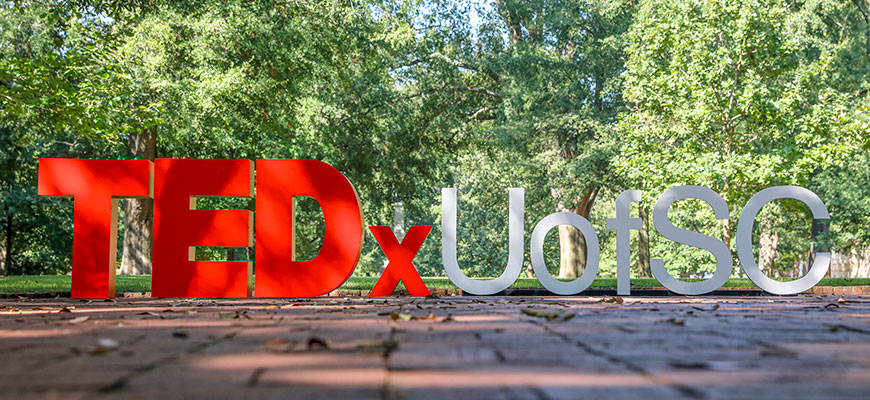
(142, 283)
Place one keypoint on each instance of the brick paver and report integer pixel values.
(809, 346)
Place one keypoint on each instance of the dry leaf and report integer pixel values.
(690, 365)
(272, 307)
(549, 315)
(279, 345)
(315, 343)
(376, 345)
(66, 309)
(104, 345)
(711, 308)
(228, 316)
(78, 320)
(151, 313)
(772, 351)
(398, 315)
(617, 300)
(675, 321)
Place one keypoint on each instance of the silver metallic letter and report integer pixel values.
(516, 228)
(592, 255)
(623, 225)
(744, 240)
(720, 250)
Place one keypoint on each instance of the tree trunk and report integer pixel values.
(572, 252)
(643, 270)
(572, 244)
(767, 250)
(136, 252)
(8, 261)
(726, 232)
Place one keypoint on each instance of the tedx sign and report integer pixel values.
(179, 227)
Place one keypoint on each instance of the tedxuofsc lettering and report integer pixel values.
(179, 227)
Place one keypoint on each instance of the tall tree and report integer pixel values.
(737, 96)
(538, 81)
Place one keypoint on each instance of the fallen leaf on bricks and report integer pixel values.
(773, 351)
(78, 320)
(616, 300)
(316, 343)
(279, 345)
(711, 308)
(66, 309)
(835, 328)
(376, 345)
(549, 315)
(179, 333)
(403, 316)
(151, 313)
(689, 365)
(675, 321)
(104, 345)
(228, 316)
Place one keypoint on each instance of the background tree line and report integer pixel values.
(573, 100)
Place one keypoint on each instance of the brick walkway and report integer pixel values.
(811, 346)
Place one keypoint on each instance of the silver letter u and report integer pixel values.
(516, 227)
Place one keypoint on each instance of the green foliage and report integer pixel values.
(573, 100)
(738, 96)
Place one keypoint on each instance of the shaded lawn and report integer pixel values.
(142, 283)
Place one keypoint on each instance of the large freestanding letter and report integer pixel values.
(744, 240)
(623, 224)
(179, 227)
(593, 253)
(400, 255)
(516, 225)
(95, 186)
(720, 250)
(278, 272)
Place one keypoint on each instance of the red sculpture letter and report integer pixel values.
(400, 267)
(278, 272)
(179, 227)
(95, 186)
